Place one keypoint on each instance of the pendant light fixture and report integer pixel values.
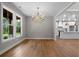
(37, 16)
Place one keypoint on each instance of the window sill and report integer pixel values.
(9, 39)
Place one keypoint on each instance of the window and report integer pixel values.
(7, 24)
(18, 26)
(11, 25)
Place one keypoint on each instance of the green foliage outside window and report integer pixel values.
(5, 28)
(18, 27)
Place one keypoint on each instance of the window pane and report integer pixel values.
(5, 28)
(18, 26)
(10, 31)
(7, 24)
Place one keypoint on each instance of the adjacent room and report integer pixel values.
(39, 29)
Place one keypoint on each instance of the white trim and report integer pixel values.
(68, 5)
(3, 6)
(8, 48)
(41, 38)
(16, 14)
(14, 21)
(69, 38)
(1, 23)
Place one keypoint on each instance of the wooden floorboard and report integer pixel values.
(45, 48)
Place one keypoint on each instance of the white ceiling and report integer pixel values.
(46, 8)
(74, 7)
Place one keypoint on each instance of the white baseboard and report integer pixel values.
(42, 38)
(69, 38)
(6, 49)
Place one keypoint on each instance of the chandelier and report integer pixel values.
(37, 16)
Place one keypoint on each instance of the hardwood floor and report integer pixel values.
(44, 48)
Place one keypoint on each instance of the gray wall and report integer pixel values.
(15, 40)
(44, 29)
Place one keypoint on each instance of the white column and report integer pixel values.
(14, 25)
(54, 28)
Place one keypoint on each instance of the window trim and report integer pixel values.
(16, 14)
(4, 7)
(14, 27)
